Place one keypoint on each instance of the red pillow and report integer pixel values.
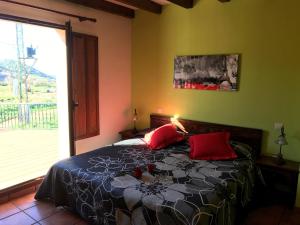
(163, 136)
(211, 146)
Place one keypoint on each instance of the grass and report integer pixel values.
(41, 90)
(40, 116)
(5, 94)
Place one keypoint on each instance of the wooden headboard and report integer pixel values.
(250, 136)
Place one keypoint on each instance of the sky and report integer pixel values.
(49, 43)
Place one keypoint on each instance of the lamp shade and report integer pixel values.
(135, 116)
(281, 140)
(174, 120)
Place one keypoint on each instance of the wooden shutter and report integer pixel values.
(85, 85)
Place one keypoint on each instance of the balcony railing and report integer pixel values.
(28, 115)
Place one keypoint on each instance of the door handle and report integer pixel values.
(75, 104)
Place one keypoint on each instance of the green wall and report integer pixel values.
(265, 32)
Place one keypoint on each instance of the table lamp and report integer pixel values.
(174, 120)
(281, 140)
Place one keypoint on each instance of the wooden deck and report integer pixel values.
(26, 154)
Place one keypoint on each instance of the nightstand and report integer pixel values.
(127, 134)
(280, 181)
(131, 133)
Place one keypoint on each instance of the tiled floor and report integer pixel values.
(25, 211)
(273, 215)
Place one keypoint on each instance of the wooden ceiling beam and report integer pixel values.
(106, 6)
(183, 3)
(143, 4)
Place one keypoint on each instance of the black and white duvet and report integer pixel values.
(100, 186)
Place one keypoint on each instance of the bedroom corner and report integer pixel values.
(269, 72)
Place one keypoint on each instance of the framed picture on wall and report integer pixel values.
(207, 72)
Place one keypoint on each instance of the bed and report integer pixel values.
(101, 187)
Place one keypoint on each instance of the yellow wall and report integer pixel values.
(114, 33)
(264, 32)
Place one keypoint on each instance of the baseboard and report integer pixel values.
(20, 189)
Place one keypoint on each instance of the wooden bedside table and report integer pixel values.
(131, 133)
(281, 180)
(127, 134)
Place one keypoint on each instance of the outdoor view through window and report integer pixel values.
(33, 101)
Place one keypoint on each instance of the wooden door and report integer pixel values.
(85, 91)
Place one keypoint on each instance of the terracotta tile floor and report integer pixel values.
(273, 215)
(26, 210)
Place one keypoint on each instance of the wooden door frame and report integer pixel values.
(69, 37)
(32, 21)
